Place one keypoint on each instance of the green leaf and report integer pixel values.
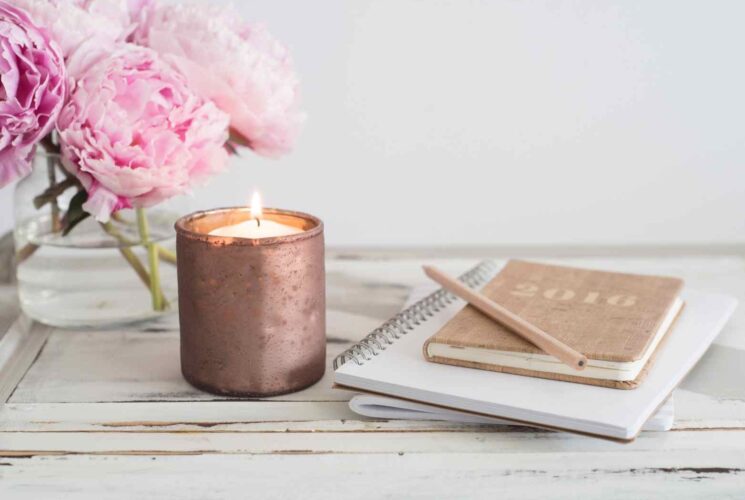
(75, 213)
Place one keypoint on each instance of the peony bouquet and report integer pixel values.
(137, 101)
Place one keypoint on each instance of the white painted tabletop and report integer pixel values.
(106, 414)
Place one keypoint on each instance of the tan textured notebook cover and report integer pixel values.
(604, 315)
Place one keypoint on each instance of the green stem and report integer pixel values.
(118, 217)
(152, 257)
(166, 255)
(127, 252)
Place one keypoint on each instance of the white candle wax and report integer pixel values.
(252, 229)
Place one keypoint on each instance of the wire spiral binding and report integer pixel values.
(414, 315)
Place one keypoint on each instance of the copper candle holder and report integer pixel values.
(252, 311)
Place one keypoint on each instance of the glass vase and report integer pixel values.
(97, 275)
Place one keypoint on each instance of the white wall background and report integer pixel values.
(510, 122)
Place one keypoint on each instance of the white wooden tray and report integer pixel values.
(76, 405)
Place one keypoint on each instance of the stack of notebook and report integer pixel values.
(441, 359)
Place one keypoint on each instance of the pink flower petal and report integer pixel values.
(135, 134)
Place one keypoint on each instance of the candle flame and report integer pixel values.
(256, 211)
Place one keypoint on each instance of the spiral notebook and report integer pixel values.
(389, 361)
(386, 407)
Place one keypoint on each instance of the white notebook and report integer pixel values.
(389, 361)
(371, 405)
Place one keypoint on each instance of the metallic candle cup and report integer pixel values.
(252, 311)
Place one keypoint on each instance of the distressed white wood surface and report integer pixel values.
(372, 476)
(18, 349)
(99, 408)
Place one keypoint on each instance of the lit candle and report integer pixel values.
(256, 226)
(252, 308)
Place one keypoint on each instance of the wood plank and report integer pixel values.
(154, 443)
(218, 416)
(19, 348)
(700, 411)
(90, 366)
(688, 474)
(267, 416)
(536, 251)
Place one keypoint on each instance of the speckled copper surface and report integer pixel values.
(252, 311)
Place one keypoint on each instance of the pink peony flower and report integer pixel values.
(135, 134)
(245, 71)
(73, 22)
(32, 88)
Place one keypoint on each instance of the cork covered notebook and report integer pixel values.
(617, 320)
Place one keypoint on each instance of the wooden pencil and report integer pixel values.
(515, 323)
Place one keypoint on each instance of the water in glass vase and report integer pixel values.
(97, 275)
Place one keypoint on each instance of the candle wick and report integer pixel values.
(258, 222)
